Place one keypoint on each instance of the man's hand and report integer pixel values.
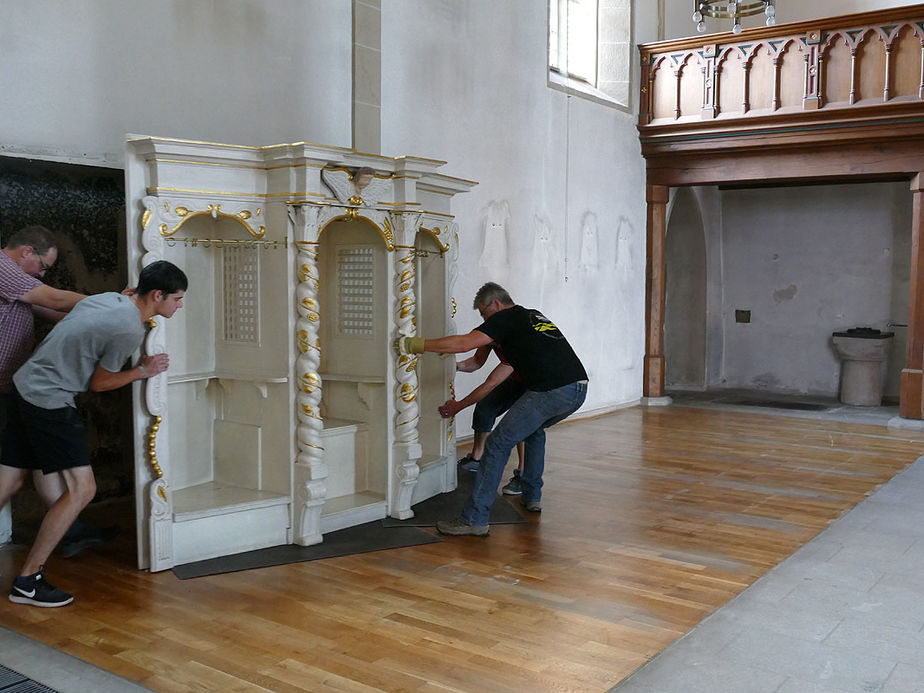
(409, 345)
(450, 408)
(154, 364)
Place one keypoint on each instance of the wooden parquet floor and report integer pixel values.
(652, 519)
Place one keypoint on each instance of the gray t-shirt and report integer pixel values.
(102, 330)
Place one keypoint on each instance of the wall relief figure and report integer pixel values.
(624, 260)
(494, 250)
(545, 256)
(589, 243)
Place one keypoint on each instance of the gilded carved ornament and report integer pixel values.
(436, 232)
(309, 382)
(407, 393)
(152, 454)
(352, 214)
(364, 187)
(213, 210)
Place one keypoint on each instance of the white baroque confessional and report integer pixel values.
(285, 412)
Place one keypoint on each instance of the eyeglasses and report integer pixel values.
(45, 265)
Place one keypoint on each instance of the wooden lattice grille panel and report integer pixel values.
(355, 287)
(241, 282)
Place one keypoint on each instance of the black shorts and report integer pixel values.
(46, 439)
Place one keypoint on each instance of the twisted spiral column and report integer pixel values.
(308, 396)
(406, 385)
(407, 450)
(310, 468)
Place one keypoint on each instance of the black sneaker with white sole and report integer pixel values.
(35, 590)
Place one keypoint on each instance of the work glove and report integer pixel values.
(409, 345)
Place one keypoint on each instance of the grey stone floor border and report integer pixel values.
(843, 614)
(57, 670)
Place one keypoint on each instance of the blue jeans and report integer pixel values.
(526, 420)
(495, 403)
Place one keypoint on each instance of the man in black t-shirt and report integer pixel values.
(556, 385)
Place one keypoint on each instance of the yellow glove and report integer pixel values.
(409, 345)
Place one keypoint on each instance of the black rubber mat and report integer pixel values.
(446, 506)
(371, 536)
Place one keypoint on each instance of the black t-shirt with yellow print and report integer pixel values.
(535, 347)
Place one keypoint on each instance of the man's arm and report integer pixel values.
(473, 363)
(55, 299)
(451, 407)
(457, 343)
(47, 314)
(103, 380)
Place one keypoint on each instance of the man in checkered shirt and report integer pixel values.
(23, 261)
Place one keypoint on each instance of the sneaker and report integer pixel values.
(533, 506)
(469, 464)
(92, 536)
(513, 487)
(35, 590)
(460, 528)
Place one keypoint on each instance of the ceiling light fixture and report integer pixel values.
(731, 9)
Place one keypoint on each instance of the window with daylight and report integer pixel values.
(589, 48)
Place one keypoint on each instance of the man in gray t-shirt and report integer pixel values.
(101, 331)
(85, 351)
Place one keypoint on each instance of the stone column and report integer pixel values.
(367, 75)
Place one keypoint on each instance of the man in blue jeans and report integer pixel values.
(556, 385)
(492, 398)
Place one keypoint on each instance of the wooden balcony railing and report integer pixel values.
(851, 61)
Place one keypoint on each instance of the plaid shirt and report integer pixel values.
(17, 328)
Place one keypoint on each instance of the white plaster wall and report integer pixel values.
(806, 261)
(679, 23)
(561, 180)
(77, 76)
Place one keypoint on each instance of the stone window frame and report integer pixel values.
(612, 83)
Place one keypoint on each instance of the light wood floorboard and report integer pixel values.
(652, 518)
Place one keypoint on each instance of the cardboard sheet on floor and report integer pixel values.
(371, 536)
(446, 506)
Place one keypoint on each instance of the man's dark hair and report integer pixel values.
(41, 239)
(490, 291)
(161, 275)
